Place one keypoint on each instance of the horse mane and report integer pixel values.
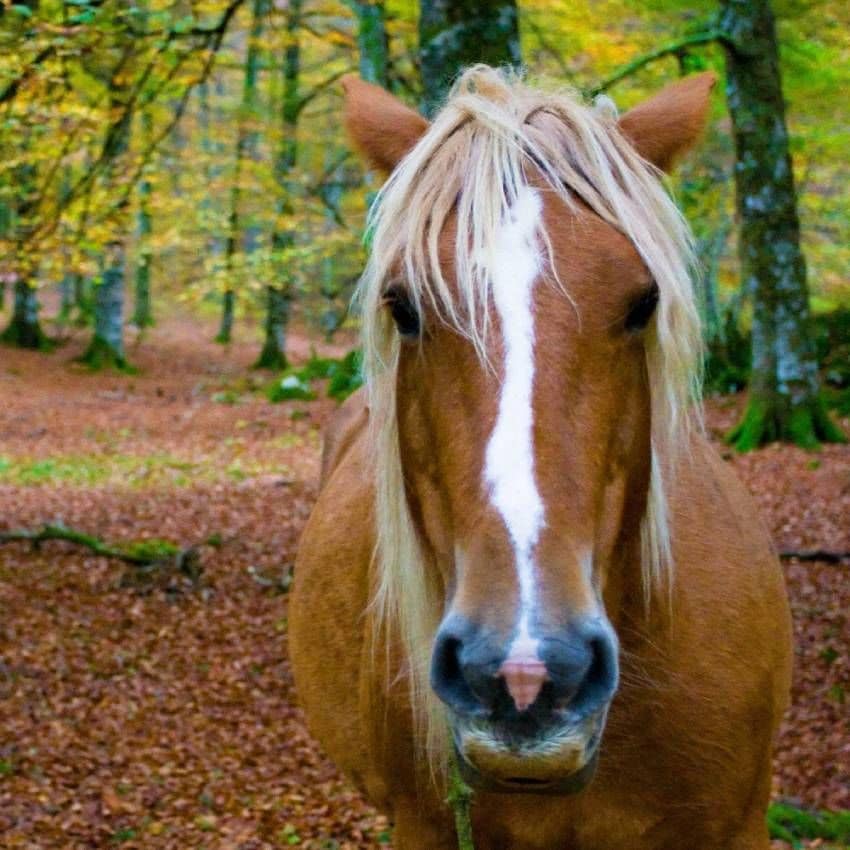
(472, 161)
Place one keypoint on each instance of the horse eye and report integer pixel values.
(642, 309)
(403, 312)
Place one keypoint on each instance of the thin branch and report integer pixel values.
(320, 87)
(13, 86)
(671, 49)
(826, 555)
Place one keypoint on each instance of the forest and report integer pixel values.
(183, 224)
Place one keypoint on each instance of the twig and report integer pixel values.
(671, 49)
(826, 555)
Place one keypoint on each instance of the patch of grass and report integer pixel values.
(126, 470)
(794, 825)
(125, 833)
(344, 376)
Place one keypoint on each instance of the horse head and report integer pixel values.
(531, 341)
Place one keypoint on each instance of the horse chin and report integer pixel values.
(561, 762)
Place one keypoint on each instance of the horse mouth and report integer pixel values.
(562, 763)
(569, 784)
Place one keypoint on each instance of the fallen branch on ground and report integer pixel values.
(826, 555)
(143, 554)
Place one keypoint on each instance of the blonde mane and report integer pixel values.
(471, 162)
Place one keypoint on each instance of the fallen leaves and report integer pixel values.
(162, 716)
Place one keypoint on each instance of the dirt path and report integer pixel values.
(160, 716)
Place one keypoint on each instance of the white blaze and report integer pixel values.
(509, 461)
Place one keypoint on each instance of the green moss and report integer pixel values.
(101, 355)
(795, 825)
(806, 425)
(344, 376)
(26, 335)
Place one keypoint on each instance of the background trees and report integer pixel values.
(198, 151)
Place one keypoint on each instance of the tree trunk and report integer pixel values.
(273, 355)
(372, 41)
(66, 297)
(24, 330)
(82, 299)
(106, 349)
(246, 148)
(784, 399)
(456, 33)
(225, 329)
(107, 346)
(279, 296)
(142, 312)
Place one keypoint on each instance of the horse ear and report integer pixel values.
(381, 127)
(667, 125)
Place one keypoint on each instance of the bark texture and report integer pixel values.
(372, 41)
(106, 349)
(456, 33)
(784, 400)
(142, 311)
(240, 231)
(279, 294)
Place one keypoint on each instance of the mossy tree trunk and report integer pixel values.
(24, 329)
(142, 310)
(372, 41)
(784, 398)
(213, 150)
(241, 235)
(279, 294)
(456, 33)
(106, 349)
(66, 297)
(17, 221)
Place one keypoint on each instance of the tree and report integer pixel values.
(784, 394)
(372, 41)
(18, 206)
(280, 293)
(457, 33)
(246, 149)
(106, 348)
(142, 312)
(784, 400)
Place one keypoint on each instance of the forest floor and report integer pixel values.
(153, 713)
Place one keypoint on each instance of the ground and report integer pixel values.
(156, 714)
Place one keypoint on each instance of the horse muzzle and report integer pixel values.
(561, 761)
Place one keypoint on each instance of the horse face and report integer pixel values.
(527, 478)
(527, 471)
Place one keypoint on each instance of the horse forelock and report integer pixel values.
(472, 164)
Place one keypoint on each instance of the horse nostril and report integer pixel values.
(447, 678)
(583, 668)
(463, 669)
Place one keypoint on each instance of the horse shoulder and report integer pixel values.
(330, 594)
(726, 652)
(346, 425)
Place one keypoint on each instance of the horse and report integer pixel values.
(526, 563)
